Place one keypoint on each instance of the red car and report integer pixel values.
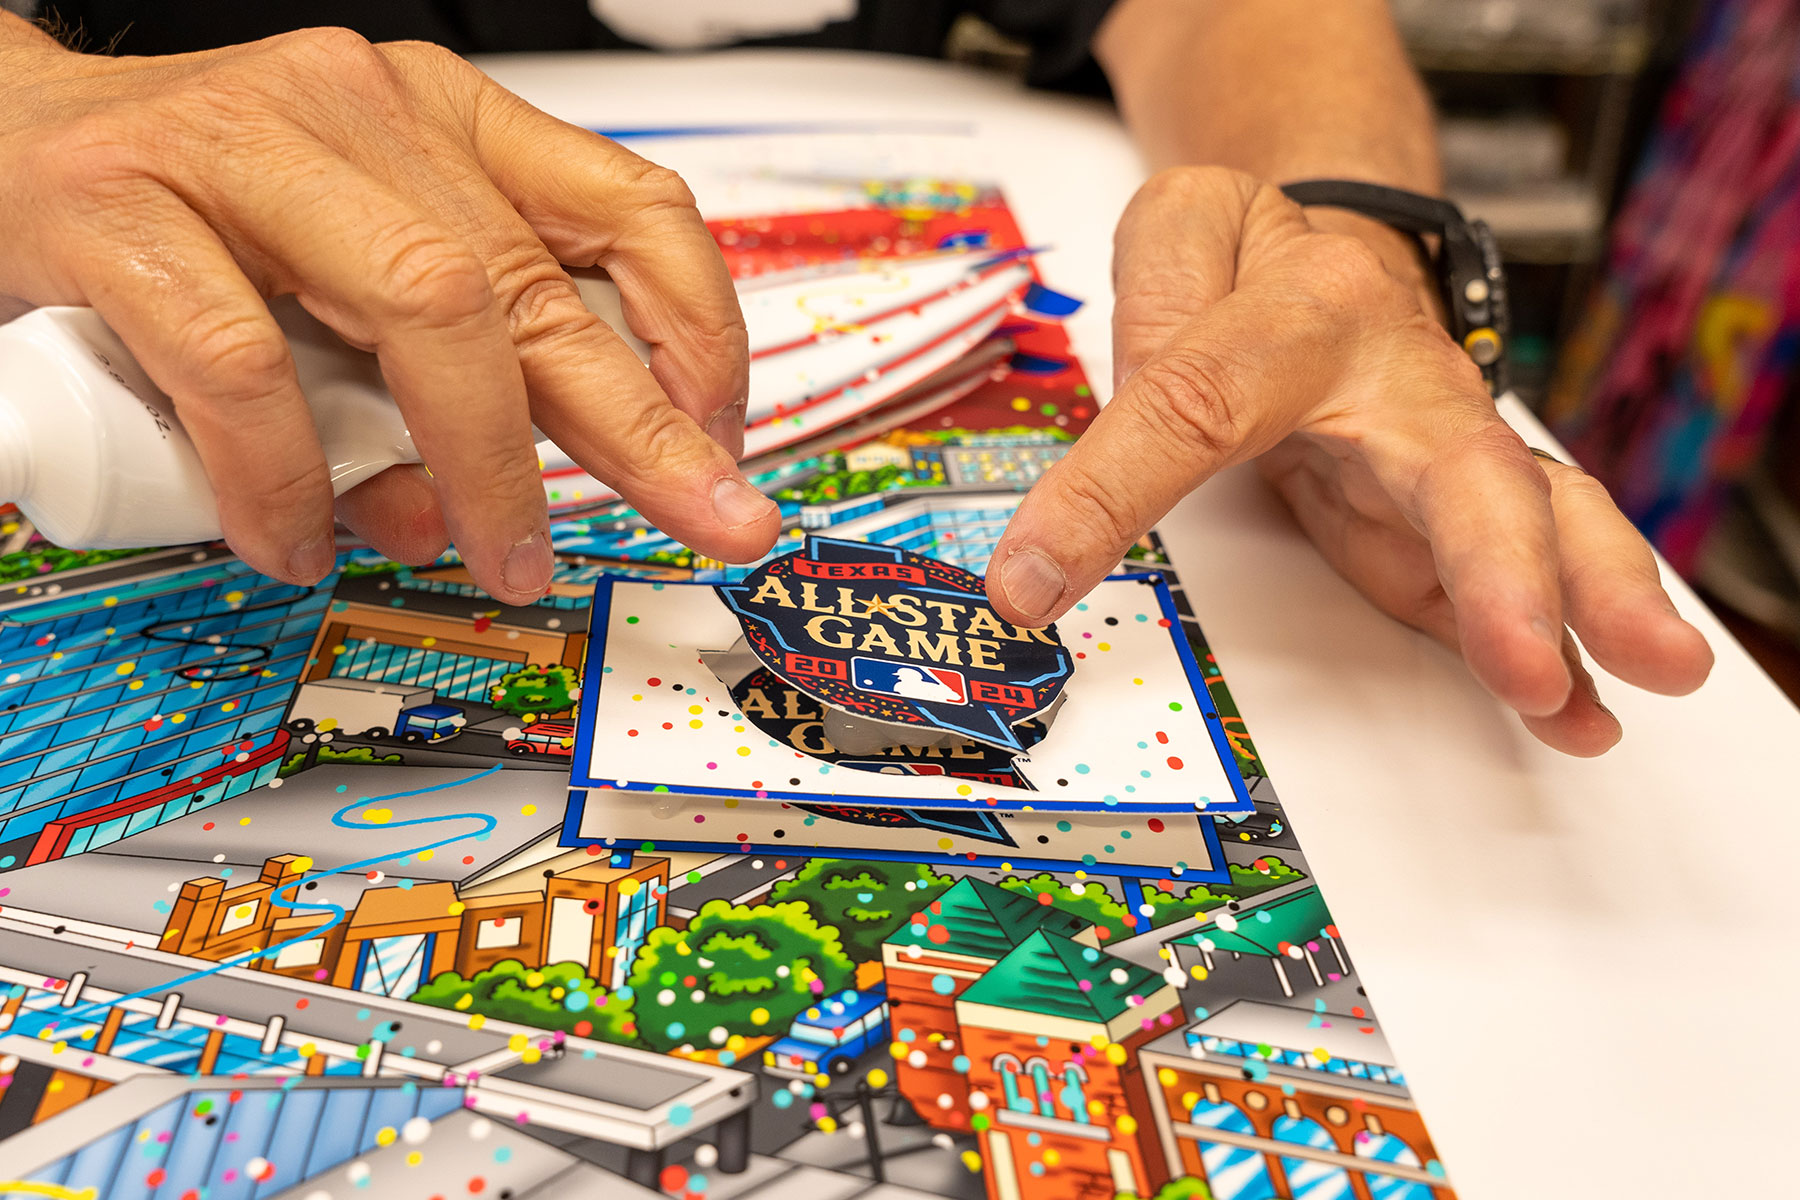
(545, 737)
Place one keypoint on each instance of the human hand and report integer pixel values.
(1242, 331)
(422, 212)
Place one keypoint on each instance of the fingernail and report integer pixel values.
(1033, 583)
(1551, 636)
(312, 559)
(737, 503)
(528, 566)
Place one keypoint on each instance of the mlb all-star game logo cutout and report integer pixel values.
(898, 639)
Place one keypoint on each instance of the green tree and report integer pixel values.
(535, 692)
(1267, 872)
(559, 996)
(1188, 1187)
(735, 970)
(863, 901)
(1088, 900)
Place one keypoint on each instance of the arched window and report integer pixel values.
(1038, 1071)
(1232, 1172)
(1386, 1148)
(1009, 1070)
(1074, 1093)
(1308, 1179)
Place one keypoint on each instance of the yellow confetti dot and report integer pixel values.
(898, 1050)
(455, 908)
(303, 863)
(1021, 404)
(385, 1135)
(1139, 682)
(963, 789)
(1105, 645)
(109, 602)
(425, 855)
(1051, 1158)
(178, 718)
(463, 1001)
(125, 668)
(759, 1016)
(743, 752)
(629, 887)
(378, 816)
(827, 1124)
(477, 1021)
(1127, 1124)
(414, 1159)
(1167, 1078)
(945, 843)
(878, 1078)
(427, 641)
(528, 809)
(1115, 1054)
(696, 723)
(308, 1049)
(972, 1160)
(234, 597)
(530, 1054)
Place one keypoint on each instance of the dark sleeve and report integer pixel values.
(1060, 34)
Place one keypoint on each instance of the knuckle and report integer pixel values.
(545, 308)
(292, 487)
(1189, 397)
(239, 359)
(332, 49)
(1347, 273)
(653, 187)
(85, 154)
(1184, 187)
(659, 441)
(429, 275)
(1104, 511)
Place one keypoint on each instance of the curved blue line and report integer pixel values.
(338, 915)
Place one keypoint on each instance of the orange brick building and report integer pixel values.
(1051, 1034)
(397, 938)
(931, 961)
(1266, 1100)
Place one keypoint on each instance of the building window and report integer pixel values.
(499, 933)
(300, 954)
(1007, 1067)
(1074, 1093)
(1386, 1148)
(238, 916)
(1232, 1172)
(1307, 1178)
(637, 913)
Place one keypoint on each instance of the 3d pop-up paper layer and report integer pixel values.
(1135, 729)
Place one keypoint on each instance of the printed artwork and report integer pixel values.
(297, 900)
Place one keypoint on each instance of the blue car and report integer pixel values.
(430, 723)
(829, 1037)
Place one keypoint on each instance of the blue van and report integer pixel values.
(831, 1036)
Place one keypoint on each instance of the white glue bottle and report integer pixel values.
(93, 453)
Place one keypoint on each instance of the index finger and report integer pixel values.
(594, 203)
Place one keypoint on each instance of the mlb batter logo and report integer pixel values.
(934, 685)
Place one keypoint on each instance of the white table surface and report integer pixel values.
(1587, 969)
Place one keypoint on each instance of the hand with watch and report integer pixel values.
(1242, 330)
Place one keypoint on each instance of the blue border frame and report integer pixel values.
(1220, 872)
(594, 675)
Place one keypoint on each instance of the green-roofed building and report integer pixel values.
(981, 922)
(928, 962)
(1051, 1035)
(1077, 989)
(1292, 928)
